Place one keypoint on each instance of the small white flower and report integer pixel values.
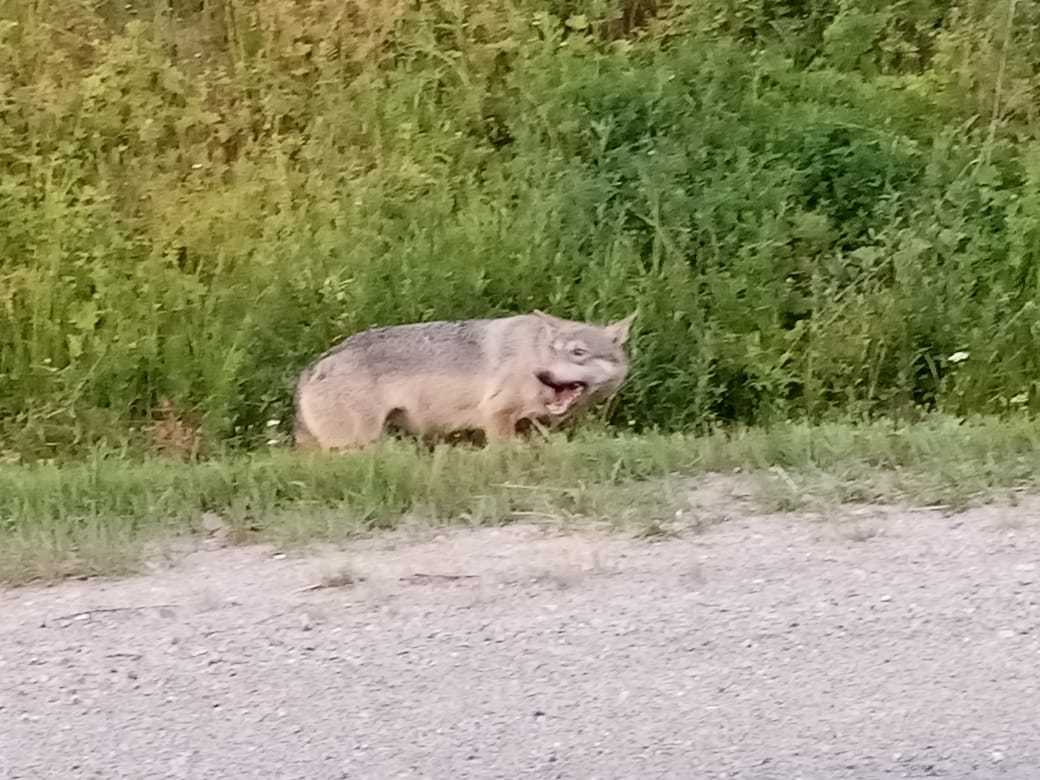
(273, 423)
(958, 357)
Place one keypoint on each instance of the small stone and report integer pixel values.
(212, 522)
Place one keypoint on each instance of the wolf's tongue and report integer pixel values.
(568, 392)
(565, 392)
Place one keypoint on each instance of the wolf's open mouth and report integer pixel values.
(566, 392)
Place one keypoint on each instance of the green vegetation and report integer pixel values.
(100, 515)
(821, 208)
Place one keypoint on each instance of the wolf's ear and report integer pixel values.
(618, 331)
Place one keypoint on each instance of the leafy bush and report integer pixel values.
(822, 208)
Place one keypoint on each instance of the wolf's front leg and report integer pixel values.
(500, 426)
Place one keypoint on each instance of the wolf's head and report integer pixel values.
(586, 363)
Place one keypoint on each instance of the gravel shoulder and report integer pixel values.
(870, 642)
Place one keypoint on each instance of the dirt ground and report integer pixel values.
(868, 642)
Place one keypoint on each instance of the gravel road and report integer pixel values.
(869, 643)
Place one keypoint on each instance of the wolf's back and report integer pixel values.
(455, 346)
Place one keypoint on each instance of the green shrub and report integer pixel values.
(813, 205)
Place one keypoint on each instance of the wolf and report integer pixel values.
(444, 377)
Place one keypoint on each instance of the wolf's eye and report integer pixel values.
(579, 351)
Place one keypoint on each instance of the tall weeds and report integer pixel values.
(819, 208)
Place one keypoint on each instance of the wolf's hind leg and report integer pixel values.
(351, 431)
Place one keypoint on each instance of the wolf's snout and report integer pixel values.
(548, 379)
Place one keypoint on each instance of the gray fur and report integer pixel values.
(446, 376)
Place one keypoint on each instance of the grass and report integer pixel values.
(99, 517)
(800, 199)
(196, 199)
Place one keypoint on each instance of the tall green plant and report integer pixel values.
(819, 209)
